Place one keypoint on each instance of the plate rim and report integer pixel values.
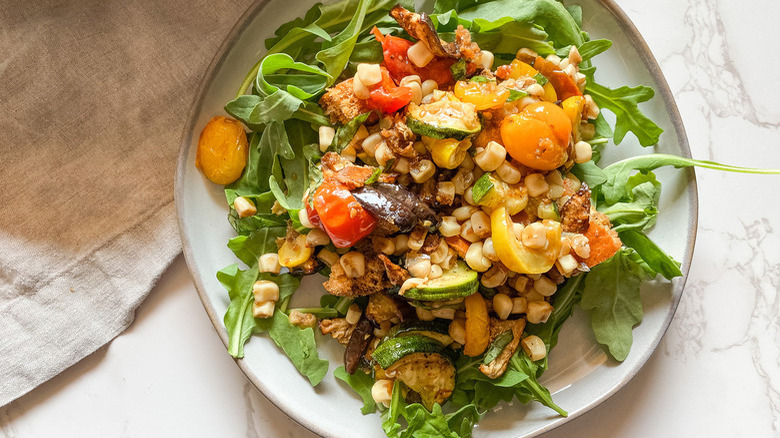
(662, 87)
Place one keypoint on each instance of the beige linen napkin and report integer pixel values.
(93, 99)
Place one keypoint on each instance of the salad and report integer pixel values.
(440, 171)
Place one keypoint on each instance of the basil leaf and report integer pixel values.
(611, 296)
(541, 79)
(479, 79)
(361, 383)
(497, 346)
(345, 133)
(516, 94)
(458, 70)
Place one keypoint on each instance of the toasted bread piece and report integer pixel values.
(341, 104)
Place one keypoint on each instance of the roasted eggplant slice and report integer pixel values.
(421, 28)
(395, 205)
(358, 343)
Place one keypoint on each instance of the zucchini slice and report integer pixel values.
(438, 330)
(422, 364)
(446, 118)
(394, 349)
(458, 282)
(491, 192)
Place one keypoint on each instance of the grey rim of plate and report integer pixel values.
(661, 87)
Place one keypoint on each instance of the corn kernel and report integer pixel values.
(269, 263)
(491, 157)
(244, 207)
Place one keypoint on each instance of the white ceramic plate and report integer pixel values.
(580, 375)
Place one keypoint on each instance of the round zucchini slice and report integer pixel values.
(438, 330)
(458, 282)
(446, 118)
(394, 349)
(431, 375)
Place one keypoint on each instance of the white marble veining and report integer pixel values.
(716, 373)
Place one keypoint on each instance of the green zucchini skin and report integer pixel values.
(394, 349)
(441, 119)
(458, 282)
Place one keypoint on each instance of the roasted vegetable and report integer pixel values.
(358, 342)
(395, 205)
(517, 256)
(445, 118)
(457, 282)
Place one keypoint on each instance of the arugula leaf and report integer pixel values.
(591, 48)
(590, 173)
(298, 344)
(531, 386)
(244, 226)
(345, 133)
(619, 173)
(422, 423)
(611, 296)
(639, 209)
(505, 35)
(390, 416)
(239, 321)
(249, 248)
(563, 305)
(361, 383)
(290, 188)
(256, 110)
(551, 15)
(623, 102)
(302, 86)
(656, 258)
(336, 52)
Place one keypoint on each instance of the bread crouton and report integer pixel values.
(373, 281)
(341, 104)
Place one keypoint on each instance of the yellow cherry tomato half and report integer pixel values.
(222, 150)
(538, 137)
(516, 256)
(477, 325)
(484, 95)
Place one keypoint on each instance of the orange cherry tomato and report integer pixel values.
(341, 215)
(563, 84)
(538, 137)
(222, 150)
(477, 326)
(484, 95)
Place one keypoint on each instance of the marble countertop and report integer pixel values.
(717, 367)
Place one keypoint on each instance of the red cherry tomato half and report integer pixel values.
(314, 218)
(397, 61)
(344, 219)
